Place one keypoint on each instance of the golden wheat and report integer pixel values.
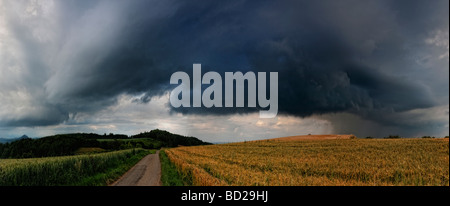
(316, 162)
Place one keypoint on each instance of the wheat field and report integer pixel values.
(338, 162)
(63, 170)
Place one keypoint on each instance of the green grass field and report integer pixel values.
(95, 169)
(169, 173)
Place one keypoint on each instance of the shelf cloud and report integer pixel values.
(381, 63)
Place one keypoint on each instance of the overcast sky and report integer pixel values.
(369, 68)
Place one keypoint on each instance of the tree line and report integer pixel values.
(169, 139)
(68, 144)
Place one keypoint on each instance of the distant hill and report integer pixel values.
(316, 137)
(68, 144)
(8, 140)
(4, 140)
(169, 139)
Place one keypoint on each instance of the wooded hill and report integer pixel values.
(68, 144)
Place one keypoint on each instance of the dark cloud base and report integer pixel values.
(331, 56)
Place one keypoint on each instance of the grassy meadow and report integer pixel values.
(88, 169)
(169, 173)
(339, 162)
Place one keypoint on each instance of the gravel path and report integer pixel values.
(146, 172)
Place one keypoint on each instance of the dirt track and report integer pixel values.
(146, 172)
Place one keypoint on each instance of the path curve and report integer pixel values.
(146, 172)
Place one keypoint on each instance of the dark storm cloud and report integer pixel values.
(332, 56)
